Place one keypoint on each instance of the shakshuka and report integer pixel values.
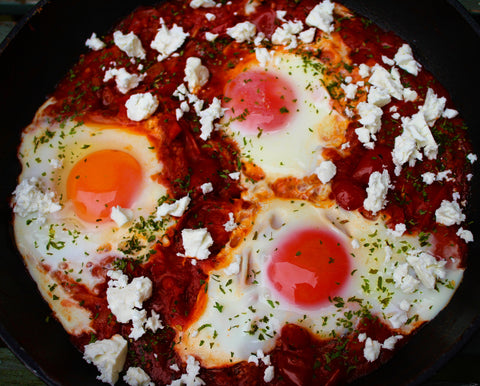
(244, 192)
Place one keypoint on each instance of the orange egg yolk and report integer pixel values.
(309, 267)
(102, 180)
(260, 101)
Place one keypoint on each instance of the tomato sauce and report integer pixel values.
(298, 357)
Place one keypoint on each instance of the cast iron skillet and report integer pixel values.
(37, 54)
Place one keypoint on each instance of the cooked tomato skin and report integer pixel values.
(348, 194)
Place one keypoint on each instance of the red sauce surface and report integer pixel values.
(298, 357)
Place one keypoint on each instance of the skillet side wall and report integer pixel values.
(49, 44)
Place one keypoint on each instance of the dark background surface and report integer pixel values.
(49, 338)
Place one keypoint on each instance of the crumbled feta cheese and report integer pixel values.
(404, 59)
(210, 16)
(362, 337)
(370, 118)
(268, 374)
(175, 209)
(259, 39)
(130, 44)
(389, 81)
(242, 32)
(230, 225)
(141, 106)
(29, 198)
(472, 157)
(234, 266)
(55, 163)
(196, 243)
(398, 313)
(120, 215)
(449, 213)
(396, 116)
(124, 80)
(388, 61)
(263, 55)
(364, 70)
(378, 96)
(326, 171)
(207, 116)
(409, 95)
(210, 37)
(207, 187)
(390, 342)
(286, 34)
(355, 244)
(307, 36)
(126, 299)
(433, 107)
(135, 376)
(251, 7)
(428, 177)
(399, 230)
(108, 355)
(191, 377)
(378, 185)
(404, 280)
(174, 367)
(427, 268)
(449, 113)
(234, 175)
(350, 90)
(154, 323)
(202, 3)
(465, 235)
(321, 16)
(94, 43)
(167, 41)
(281, 14)
(371, 351)
(196, 74)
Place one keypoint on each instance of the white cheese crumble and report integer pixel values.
(404, 279)
(175, 209)
(433, 107)
(409, 95)
(196, 74)
(234, 176)
(398, 313)
(378, 185)
(196, 243)
(29, 198)
(426, 267)
(130, 44)
(191, 377)
(388, 61)
(123, 79)
(108, 355)
(326, 171)
(210, 36)
(230, 225)
(286, 34)
(472, 158)
(135, 376)
(398, 231)
(307, 36)
(242, 32)
(321, 16)
(389, 81)
(465, 234)
(390, 342)
(404, 59)
(120, 215)
(364, 70)
(378, 96)
(210, 16)
(207, 187)
(428, 178)
(167, 41)
(234, 267)
(370, 118)
(94, 43)
(350, 90)
(207, 116)
(141, 106)
(263, 55)
(355, 244)
(202, 3)
(125, 299)
(371, 351)
(449, 213)
(269, 374)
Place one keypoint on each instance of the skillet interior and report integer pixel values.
(48, 44)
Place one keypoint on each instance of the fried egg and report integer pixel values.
(321, 268)
(280, 114)
(86, 172)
